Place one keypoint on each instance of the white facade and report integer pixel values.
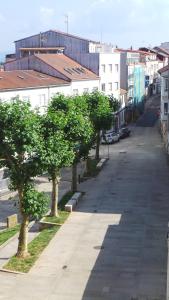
(84, 86)
(40, 97)
(109, 73)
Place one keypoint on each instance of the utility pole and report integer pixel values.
(67, 23)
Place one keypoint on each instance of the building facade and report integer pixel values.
(164, 109)
(95, 56)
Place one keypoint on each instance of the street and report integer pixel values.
(114, 246)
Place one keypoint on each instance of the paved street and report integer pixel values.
(113, 247)
(8, 201)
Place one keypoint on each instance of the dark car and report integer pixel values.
(124, 132)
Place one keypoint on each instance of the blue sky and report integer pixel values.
(120, 22)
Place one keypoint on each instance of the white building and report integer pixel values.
(80, 79)
(39, 88)
(95, 56)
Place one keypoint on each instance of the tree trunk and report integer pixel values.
(55, 194)
(74, 177)
(22, 251)
(97, 145)
(88, 165)
(23, 238)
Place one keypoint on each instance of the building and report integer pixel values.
(31, 86)
(132, 65)
(155, 60)
(164, 109)
(38, 88)
(95, 56)
(58, 65)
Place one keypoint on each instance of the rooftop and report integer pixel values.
(21, 79)
(62, 33)
(133, 51)
(164, 69)
(67, 66)
(42, 48)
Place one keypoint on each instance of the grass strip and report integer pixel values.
(36, 246)
(8, 233)
(63, 215)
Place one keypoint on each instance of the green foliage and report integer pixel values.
(56, 151)
(35, 204)
(78, 129)
(19, 138)
(114, 103)
(8, 233)
(100, 110)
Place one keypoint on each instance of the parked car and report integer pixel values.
(124, 132)
(110, 137)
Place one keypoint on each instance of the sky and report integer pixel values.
(119, 22)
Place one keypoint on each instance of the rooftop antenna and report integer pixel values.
(67, 23)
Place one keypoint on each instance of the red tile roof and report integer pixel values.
(21, 79)
(132, 51)
(67, 66)
(164, 69)
(158, 48)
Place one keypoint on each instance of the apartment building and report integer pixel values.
(132, 76)
(155, 60)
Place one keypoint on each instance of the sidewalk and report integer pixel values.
(7, 208)
(8, 201)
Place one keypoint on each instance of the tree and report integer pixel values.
(57, 151)
(114, 103)
(19, 141)
(100, 114)
(80, 133)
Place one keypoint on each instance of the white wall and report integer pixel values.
(83, 85)
(110, 76)
(40, 97)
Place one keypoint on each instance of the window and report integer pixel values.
(103, 68)
(116, 67)
(25, 98)
(110, 86)
(165, 108)
(42, 100)
(166, 85)
(75, 92)
(95, 88)
(85, 90)
(103, 87)
(116, 85)
(110, 68)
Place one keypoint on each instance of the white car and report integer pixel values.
(110, 137)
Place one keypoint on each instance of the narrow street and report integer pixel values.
(114, 246)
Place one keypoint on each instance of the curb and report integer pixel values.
(12, 272)
(101, 163)
(70, 205)
(15, 236)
